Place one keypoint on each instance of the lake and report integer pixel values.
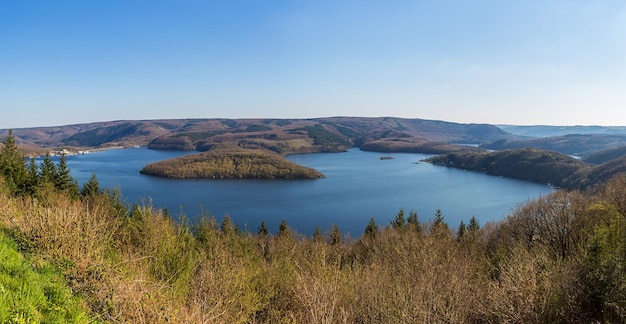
(358, 185)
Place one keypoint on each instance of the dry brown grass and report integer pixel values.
(143, 267)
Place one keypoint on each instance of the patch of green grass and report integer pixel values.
(34, 294)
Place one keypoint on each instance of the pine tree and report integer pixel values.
(33, 176)
(371, 229)
(91, 188)
(263, 229)
(47, 170)
(283, 229)
(13, 166)
(399, 222)
(63, 180)
(438, 222)
(413, 222)
(473, 226)
(461, 231)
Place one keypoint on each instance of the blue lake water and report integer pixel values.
(358, 185)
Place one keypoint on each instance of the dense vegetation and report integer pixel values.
(572, 144)
(558, 258)
(404, 145)
(278, 135)
(536, 165)
(231, 163)
(526, 164)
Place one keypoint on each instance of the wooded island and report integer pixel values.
(231, 163)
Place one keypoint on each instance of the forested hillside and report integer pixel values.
(231, 163)
(537, 165)
(572, 144)
(558, 258)
(284, 136)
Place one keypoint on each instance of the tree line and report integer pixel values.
(24, 177)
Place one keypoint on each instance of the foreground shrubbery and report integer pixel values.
(559, 258)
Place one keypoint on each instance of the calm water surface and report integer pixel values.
(358, 185)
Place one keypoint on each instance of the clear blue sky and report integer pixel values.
(518, 62)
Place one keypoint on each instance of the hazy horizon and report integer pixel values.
(557, 63)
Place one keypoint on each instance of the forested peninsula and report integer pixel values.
(531, 164)
(231, 163)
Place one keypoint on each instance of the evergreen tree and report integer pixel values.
(335, 235)
(438, 222)
(473, 226)
(13, 166)
(461, 231)
(283, 229)
(371, 229)
(399, 222)
(91, 188)
(63, 180)
(413, 222)
(48, 171)
(263, 229)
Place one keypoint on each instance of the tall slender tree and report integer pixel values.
(47, 170)
(283, 229)
(263, 231)
(413, 222)
(371, 229)
(91, 188)
(13, 166)
(399, 222)
(63, 180)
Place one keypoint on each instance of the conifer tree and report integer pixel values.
(399, 222)
(413, 222)
(461, 231)
(263, 229)
(63, 180)
(283, 229)
(13, 166)
(371, 229)
(473, 226)
(438, 222)
(48, 170)
(91, 188)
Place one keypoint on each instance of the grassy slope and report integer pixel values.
(33, 294)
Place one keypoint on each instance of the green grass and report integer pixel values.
(33, 294)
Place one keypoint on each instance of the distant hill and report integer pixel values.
(578, 145)
(603, 156)
(284, 136)
(547, 131)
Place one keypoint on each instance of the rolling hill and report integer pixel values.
(284, 136)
